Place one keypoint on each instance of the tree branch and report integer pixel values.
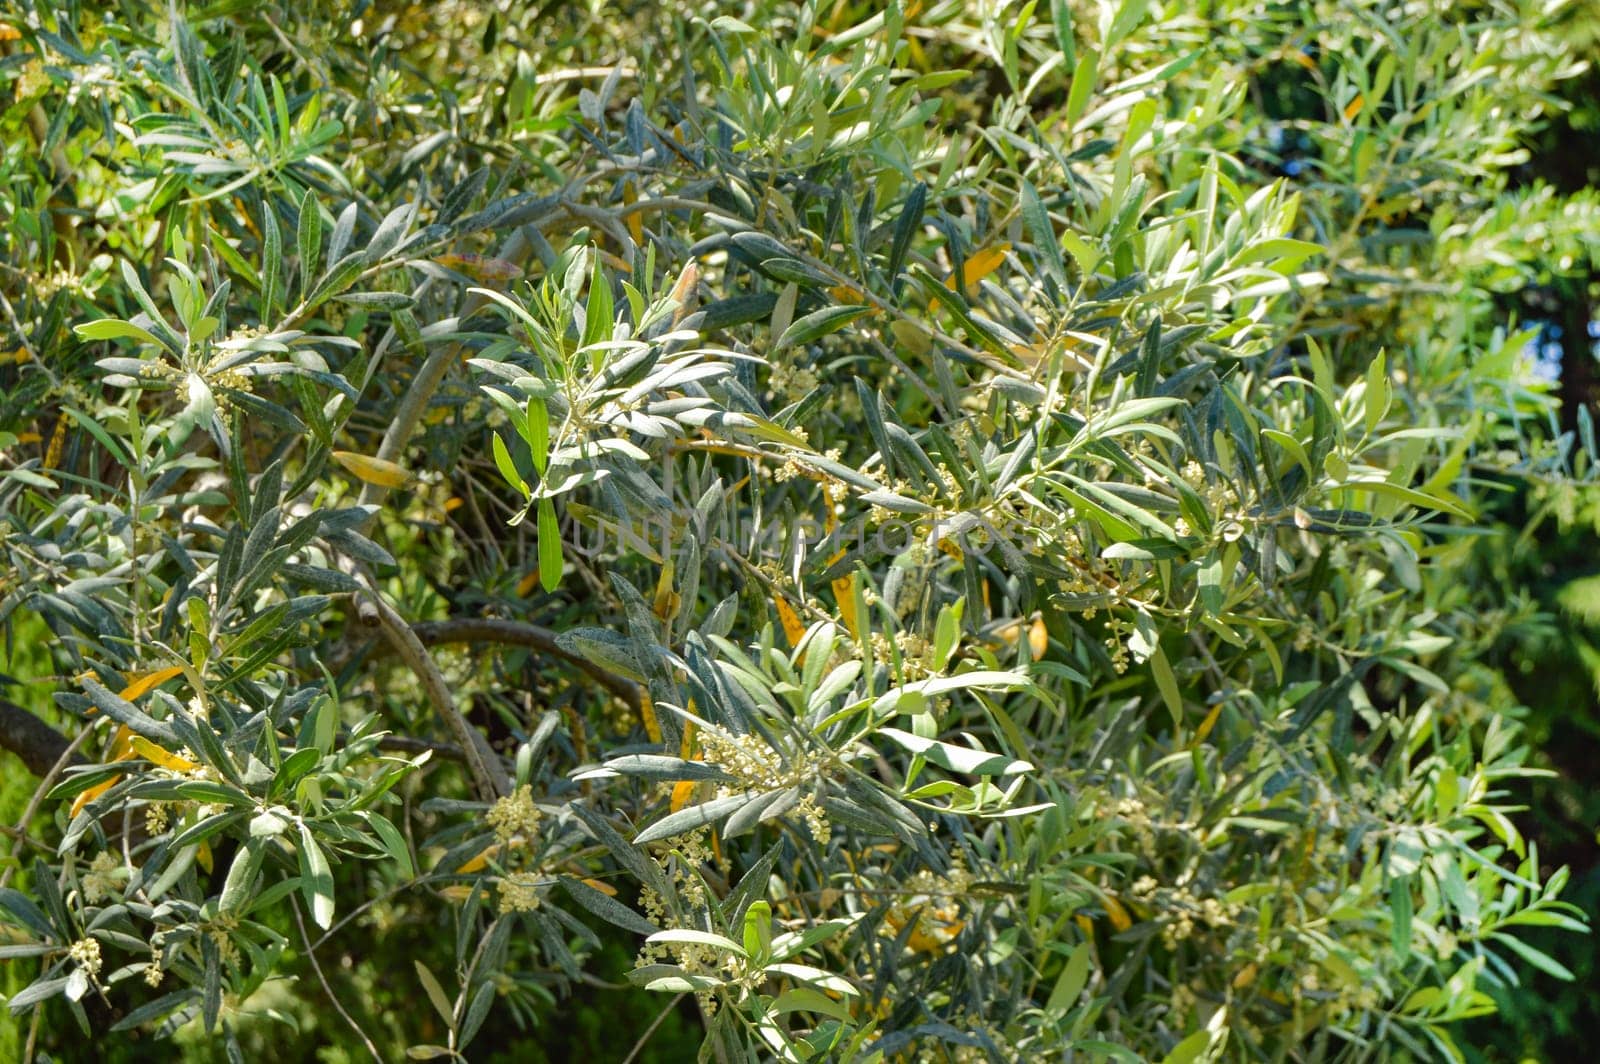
(31, 739)
(488, 774)
(521, 633)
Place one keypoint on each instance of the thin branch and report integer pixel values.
(644, 1039)
(47, 780)
(311, 955)
(405, 744)
(408, 415)
(482, 762)
(521, 633)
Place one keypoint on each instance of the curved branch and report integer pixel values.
(488, 774)
(31, 739)
(521, 633)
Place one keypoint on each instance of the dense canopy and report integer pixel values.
(941, 531)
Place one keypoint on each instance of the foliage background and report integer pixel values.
(475, 70)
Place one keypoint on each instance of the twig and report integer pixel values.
(482, 762)
(408, 415)
(33, 1033)
(311, 955)
(45, 783)
(521, 633)
(405, 744)
(644, 1039)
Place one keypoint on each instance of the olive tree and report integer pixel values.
(936, 525)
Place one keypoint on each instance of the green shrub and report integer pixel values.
(937, 529)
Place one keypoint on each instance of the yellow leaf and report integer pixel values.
(947, 547)
(91, 794)
(1207, 724)
(1085, 925)
(121, 749)
(682, 794)
(122, 743)
(28, 437)
(630, 196)
(481, 267)
(603, 887)
(58, 438)
(158, 755)
(978, 266)
(844, 293)
(666, 600)
(933, 931)
(1038, 637)
(1246, 976)
(1008, 636)
(844, 594)
(478, 863)
(202, 856)
(373, 470)
(793, 628)
(685, 290)
(1353, 108)
(683, 791)
(142, 684)
(923, 942)
(647, 714)
(1119, 916)
(452, 504)
(526, 585)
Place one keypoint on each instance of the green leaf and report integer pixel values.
(1042, 233)
(394, 844)
(316, 879)
(804, 999)
(1074, 977)
(115, 329)
(308, 240)
(1083, 81)
(687, 936)
(1377, 393)
(1189, 1050)
(819, 323)
(436, 994)
(1166, 683)
(693, 817)
(599, 313)
(957, 758)
(271, 264)
(905, 228)
(606, 907)
(1400, 917)
(758, 931)
(241, 877)
(1540, 960)
(538, 438)
(508, 468)
(549, 546)
(340, 276)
